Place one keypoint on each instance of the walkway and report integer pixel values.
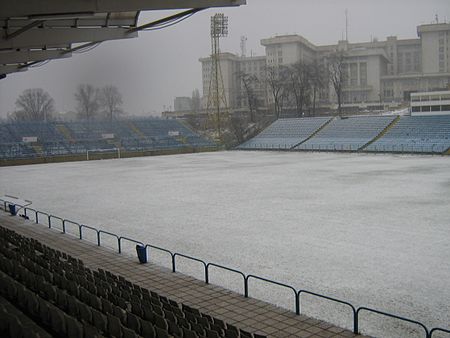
(249, 314)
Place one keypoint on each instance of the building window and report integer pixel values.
(353, 74)
(363, 74)
(435, 108)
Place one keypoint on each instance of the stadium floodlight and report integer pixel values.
(219, 25)
(216, 92)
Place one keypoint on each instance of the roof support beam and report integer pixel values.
(163, 20)
(35, 8)
(23, 56)
(24, 29)
(40, 37)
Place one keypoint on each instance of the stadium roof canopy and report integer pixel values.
(34, 31)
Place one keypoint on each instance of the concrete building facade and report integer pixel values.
(182, 103)
(232, 67)
(379, 74)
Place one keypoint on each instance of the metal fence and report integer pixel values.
(34, 215)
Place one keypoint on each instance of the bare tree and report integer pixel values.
(275, 77)
(249, 82)
(318, 81)
(196, 102)
(110, 100)
(34, 104)
(87, 97)
(237, 127)
(299, 85)
(338, 75)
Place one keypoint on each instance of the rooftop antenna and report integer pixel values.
(243, 46)
(346, 25)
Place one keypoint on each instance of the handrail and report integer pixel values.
(35, 213)
(90, 228)
(437, 329)
(245, 277)
(99, 232)
(42, 213)
(191, 258)
(222, 267)
(297, 303)
(50, 217)
(164, 250)
(355, 328)
(427, 334)
(70, 222)
(129, 240)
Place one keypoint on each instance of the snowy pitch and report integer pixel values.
(370, 229)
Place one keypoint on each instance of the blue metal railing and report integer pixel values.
(335, 300)
(297, 303)
(206, 267)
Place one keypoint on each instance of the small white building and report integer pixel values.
(430, 103)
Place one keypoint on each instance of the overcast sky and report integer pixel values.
(158, 65)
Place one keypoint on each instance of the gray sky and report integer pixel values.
(159, 65)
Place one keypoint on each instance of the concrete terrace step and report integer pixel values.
(246, 313)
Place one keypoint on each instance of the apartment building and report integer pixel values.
(232, 68)
(379, 74)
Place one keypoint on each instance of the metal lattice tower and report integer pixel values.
(216, 94)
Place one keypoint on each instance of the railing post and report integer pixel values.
(206, 274)
(173, 263)
(98, 238)
(49, 221)
(246, 287)
(37, 217)
(80, 230)
(355, 322)
(119, 245)
(64, 226)
(297, 303)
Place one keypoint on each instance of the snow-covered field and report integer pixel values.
(370, 229)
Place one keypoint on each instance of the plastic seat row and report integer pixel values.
(93, 303)
(416, 134)
(285, 133)
(348, 134)
(62, 138)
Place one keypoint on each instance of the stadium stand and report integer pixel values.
(416, 134)
(71, 138)
(47, 293)
(347, 134)
(285, 133)
(403, 134)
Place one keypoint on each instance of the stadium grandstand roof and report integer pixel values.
(35, 31)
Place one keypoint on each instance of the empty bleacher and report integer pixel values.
(416, 134)
(285, 133)
(406, 134)
(47, 293)
(347, 134)
(72, 138)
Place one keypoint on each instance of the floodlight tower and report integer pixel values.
(216, 93)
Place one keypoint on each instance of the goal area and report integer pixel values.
(101, 154)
